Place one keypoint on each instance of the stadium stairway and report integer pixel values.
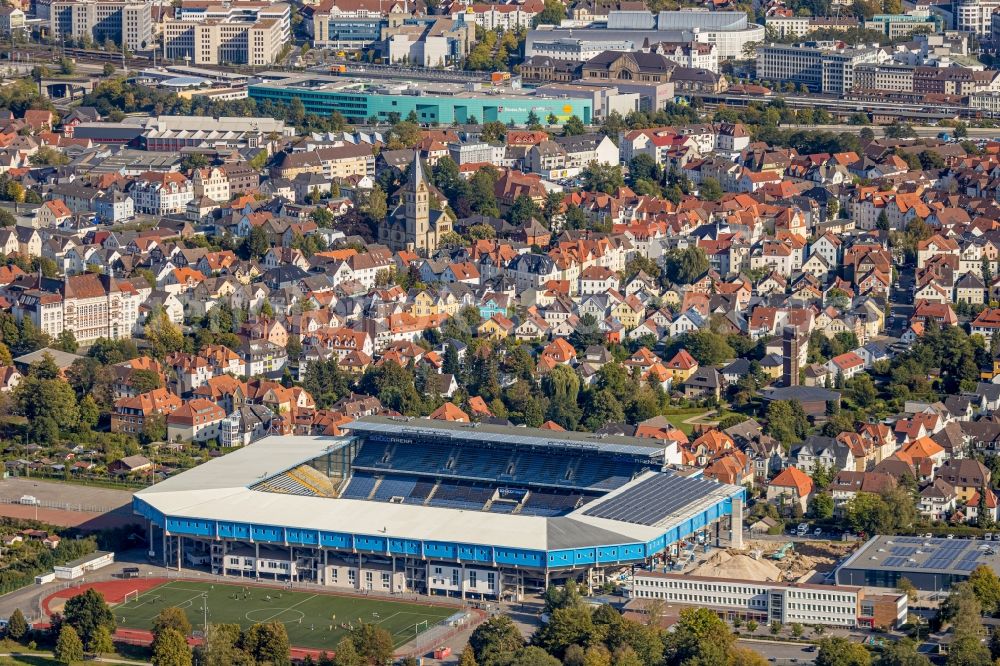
(378, 482)
(430, 495)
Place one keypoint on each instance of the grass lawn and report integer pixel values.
(678, 416)
(307, 616)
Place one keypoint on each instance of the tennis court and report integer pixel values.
(313, 620)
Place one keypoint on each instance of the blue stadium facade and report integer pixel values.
(437, 507)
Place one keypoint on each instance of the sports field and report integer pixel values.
(313, 620)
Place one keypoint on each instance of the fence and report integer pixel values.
(64, 506)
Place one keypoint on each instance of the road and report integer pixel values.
(781, 653)
(924, 132)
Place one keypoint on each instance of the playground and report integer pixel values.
(313, 619)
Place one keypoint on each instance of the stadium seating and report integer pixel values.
(394, 486)
(371, 454)
(549, 504)
(420, 492)
(360, 486)
(460, 496)
(603, 474)
(480, 463)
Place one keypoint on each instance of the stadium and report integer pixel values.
(426, 506)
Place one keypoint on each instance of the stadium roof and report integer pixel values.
(482, 432)
(219, 491)
(915, 554)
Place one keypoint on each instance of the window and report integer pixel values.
(385, 579)
(351, 576)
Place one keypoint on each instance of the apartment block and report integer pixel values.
(124, 22)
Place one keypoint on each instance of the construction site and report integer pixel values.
(770, 561)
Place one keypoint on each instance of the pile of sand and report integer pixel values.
(726, 564)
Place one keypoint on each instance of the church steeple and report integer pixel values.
(416, 197)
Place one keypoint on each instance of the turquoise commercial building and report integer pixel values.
(443, 103)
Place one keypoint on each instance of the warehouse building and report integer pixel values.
(931, 564)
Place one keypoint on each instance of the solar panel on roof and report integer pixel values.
(653, 499)
(894, 561)
(904, 551)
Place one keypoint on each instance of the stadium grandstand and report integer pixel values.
(420, 505)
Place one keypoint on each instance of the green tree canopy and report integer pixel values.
(170, 649)
(69, 647)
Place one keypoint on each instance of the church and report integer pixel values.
(412, 225)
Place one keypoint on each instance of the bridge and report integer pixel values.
(65, 88)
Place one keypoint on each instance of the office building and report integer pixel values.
(899, 25)
(975, 16)
(800, 26)
(121, 21)
(766, 602)
(245, 34)
(820, 69)
(886, 76)
(346, 33)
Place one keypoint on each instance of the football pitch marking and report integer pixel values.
(283, 610)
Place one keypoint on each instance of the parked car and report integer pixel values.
(30, 500)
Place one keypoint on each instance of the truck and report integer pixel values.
(29, 500)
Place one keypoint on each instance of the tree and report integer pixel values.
(838, 651)
(48, 156)
(552, 13)
(685, 266)
(17, 626)
(174, 618)
(602, 178)
(220, 647)
(108, 70)
(257, 242)
(786, 421)
(574, 126)
(708, 347)
(268, 643)
(962, 609)
(710, 189)
(163, 335)
(372, 643)
(901, 653)
(346, 654)
(700, 637)
(495, 640)
(101, 642)
(86, 612)
(374, 205)
(821, 506)
(170, 649)
(986, 586)
(906, 586)
(69, 647)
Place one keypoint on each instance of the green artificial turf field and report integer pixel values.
(307, 616)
